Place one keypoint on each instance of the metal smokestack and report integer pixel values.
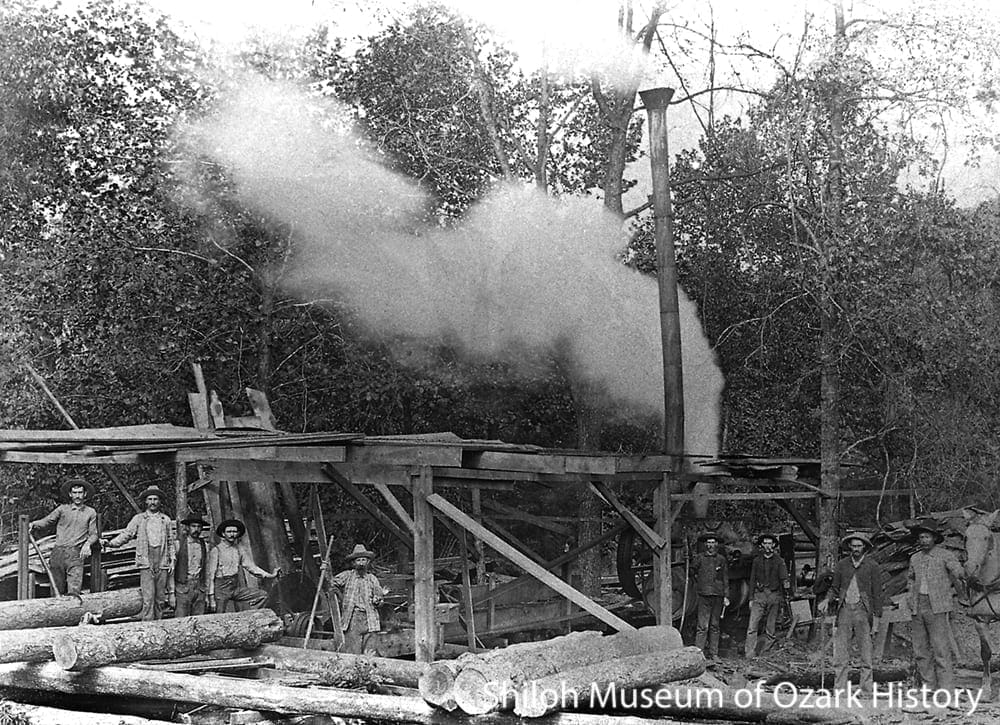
(656, 101)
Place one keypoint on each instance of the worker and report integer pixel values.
(855, 597)
(224, 563)
(768, 588)
(76, 534)
(932, 574)
(191, 568)
(154, 533)
(360, 595)
(711, 575)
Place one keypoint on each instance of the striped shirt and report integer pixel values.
(359, 592)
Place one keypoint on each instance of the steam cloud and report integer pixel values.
(522, 270)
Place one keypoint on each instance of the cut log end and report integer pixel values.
(437, 685)
(475, 693)
(64, 652)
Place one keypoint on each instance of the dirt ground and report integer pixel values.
(808, 653)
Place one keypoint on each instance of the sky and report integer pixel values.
(576, 33)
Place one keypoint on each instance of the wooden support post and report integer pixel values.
(662, 578)
(424, 594)
(367, 505)
(652, 539)
(23, 573)
(97, 583)
(470, 613)
(395, 505)
(543, 575)
(477, 515)
(181, 493)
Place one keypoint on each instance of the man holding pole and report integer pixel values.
(76, 533)
(360, 595)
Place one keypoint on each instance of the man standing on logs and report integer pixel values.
(856, 598)
(768, 585)
(76, 533)
(711, 574)
(224, 564)
(360, 595)
(933, 570)
(153, 531)
(191, 569)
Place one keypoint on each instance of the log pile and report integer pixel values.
(67, 611)
(521, 676)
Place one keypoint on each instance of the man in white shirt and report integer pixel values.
(224, 564)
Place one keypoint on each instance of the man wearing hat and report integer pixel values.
(711, 575)
(76, 533)
(768, 586)
(856, 598)
(932, 573)
(360, 595)
(153, 531)
(191, 568)
(224, 563)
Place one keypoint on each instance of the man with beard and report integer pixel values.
(360, 595)
(768, 586)
(153, 531)
(932, 573)
(224, 564)
(856, 598)
(711, 574)
(76, 533)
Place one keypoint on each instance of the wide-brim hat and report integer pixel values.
(152, 491)
(359, 551)
(194, 520)
(705, 536)
(928, 525)
(766, 535)
(71, 482)
(240, 526)
(860, 536)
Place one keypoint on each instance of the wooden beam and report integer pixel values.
(405, 455)
(506, 534)
(783, 495)
(652, 539)
(367, 505)
(424, 591)
(522, 515)
(540, 573)
(23, 573)
(395, 505)
(555, 563)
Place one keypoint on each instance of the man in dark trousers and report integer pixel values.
(224, 564)
(191, 568)
(856, 599)
(768, 586)
(711, 574)
(933, 572)
(76, 533)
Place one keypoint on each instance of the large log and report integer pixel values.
(721, 704)
(334, 667)
(262, 695)
(570, 688)
(481, 678)
(12, 712)
(29, 645)
(437, 685)
(87, 646)
(67, 611)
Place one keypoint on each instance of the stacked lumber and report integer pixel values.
(521, 676)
